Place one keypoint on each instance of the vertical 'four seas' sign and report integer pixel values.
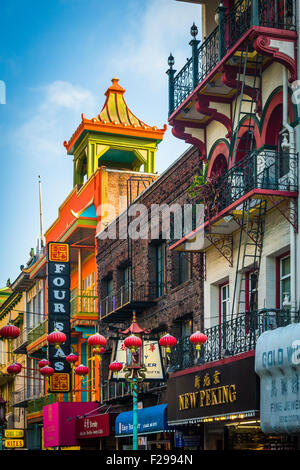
(58, 276)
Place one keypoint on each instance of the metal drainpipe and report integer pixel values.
(291, 132)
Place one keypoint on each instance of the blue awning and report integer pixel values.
(150, 420)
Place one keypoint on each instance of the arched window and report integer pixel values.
(219, 166)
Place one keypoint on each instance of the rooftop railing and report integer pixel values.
(231, 27)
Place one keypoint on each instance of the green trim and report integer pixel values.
(78, 223)
(217, 142)
(268, 102)
(232, 141)
(9, 304)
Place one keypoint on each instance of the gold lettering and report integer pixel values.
(214, 400)
(193, 397)
(225, 394)
(202, 395)
(186, 401)
(181, 402)
(207, 397)
(232, 393)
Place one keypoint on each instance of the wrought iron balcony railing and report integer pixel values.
(233, 337)
(231, 27)
(19, 344)
(266, 170)
(118, 390)
(36, 332)
(130, 293)
(22, 396)
(36, 405)
(85, 302)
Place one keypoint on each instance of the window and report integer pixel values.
(109, 286)
(285, 282)
(251, 300)
(160, 251)
(184, 267)
(224, 303)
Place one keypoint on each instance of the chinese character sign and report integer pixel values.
(58, 283)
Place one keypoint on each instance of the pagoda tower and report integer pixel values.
(115, 138)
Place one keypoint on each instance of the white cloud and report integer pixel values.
(54, 120)
(164, 28)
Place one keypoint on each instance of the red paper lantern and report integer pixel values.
(47, 371)
(81, 370)
(99, 351)
(72, 358)
(43, 363)
(14, 368)
(56, 338)
(116, 367)
(9, 331)
(97, 340)
(168, 341)
(132, 342)
(198, 339)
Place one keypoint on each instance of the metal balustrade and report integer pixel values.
(118, 390)
(84, 302)
(36, 332)
(31, 392)
(232, 337)
(244, 15)
(265, 170)
(21, 342)
(130, 293)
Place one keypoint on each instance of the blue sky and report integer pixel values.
(57, 58)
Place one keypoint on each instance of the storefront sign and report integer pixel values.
(277, 362)
(152, 360)
(14, 433)
(229, 388)
(58, 278)
(95, 426)
(150, 420)
(59, 422)
(12, 443)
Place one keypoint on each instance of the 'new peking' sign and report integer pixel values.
(58, 277)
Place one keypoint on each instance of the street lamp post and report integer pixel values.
(134, 368)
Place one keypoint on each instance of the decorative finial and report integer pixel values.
(171, 60)
(194, 30)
